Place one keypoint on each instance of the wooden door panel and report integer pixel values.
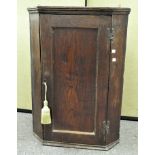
(75, 58)
(74, 79)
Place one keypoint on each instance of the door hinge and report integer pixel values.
(110, 33)
(106, 128)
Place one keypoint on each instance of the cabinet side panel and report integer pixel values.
(119, 23)
(35, 73)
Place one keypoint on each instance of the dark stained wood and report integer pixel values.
(119, 23)
(36, 74)
(72, 53)
(79, 10)
(76, 71)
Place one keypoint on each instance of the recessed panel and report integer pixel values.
(74, 79)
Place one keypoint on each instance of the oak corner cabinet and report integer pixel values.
(80, 53)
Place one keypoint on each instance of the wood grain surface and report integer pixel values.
(72, 53)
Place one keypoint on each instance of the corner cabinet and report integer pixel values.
(79, 52)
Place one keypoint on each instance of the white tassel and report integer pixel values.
(45, 111)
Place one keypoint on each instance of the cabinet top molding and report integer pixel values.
(79, 10)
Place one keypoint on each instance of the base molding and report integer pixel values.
(76, 145)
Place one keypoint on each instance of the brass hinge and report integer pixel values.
(110, 33)
(106, 130)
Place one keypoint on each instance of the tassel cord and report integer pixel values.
(45, 100)
(45, 90)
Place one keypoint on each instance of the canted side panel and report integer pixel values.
(74, 79)
(119, 23)
(35, 73)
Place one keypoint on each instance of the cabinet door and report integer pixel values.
(75, 65)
